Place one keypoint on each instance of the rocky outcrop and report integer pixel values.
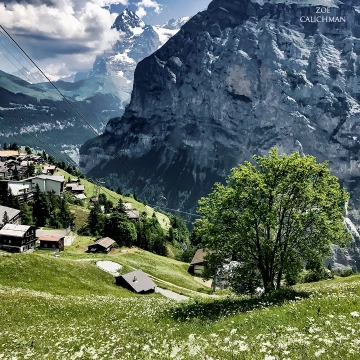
(239, 78)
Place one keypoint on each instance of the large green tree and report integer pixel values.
(274, 216)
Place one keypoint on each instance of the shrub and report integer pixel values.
(318, 275)
(346, 272)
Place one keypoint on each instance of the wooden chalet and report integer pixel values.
(48, 242)
(8, 154)
(136, 281)
(17, 238)
(102, 245)
(197, 263)
(12, 214)
(49, 170)
(133, 214)
(75, 188)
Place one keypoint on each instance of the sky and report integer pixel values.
(65, 36)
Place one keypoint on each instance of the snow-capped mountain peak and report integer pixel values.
(129, 23)
(176, 24)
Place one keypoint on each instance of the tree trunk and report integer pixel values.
(268, 282)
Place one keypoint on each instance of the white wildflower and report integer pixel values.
(319, 352)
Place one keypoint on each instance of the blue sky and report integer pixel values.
(65, 36)
(170, 9)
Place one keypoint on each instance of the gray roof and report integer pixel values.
(105, 242)
(199, 257)
(80, 196)
(14, 230)
(133, 214)
(49, 177)
(139, 281)
(11, 213)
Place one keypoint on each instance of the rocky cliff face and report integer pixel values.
(239, 78)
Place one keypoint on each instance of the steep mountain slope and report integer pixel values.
(41, 113)
(137, 41)
(238, 79)
(99, 95)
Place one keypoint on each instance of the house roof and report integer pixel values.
(11, 213)
(133, 214)
(50, 238)
(52, 167)
(14, 230)
(9, 153)
(75, 186)
(128, 206)
(48, 177)
(199, 257)
(80, 196)
(105, 242)
(139, 281)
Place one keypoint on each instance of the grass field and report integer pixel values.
(44, 272)
(42, 317)
(114, 197)
(164, 268)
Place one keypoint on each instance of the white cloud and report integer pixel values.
(66, 32)
(149, 4)
(141, 12)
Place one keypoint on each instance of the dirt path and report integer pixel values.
(171, 294)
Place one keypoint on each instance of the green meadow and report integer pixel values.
(68, 309)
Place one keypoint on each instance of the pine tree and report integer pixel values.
(30, 170)
(120, 207)
(5, 219)
(96, 220)
(26, 215)
(65, 216)
(16, 175)
(40, 208)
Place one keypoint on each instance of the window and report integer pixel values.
(45, 245)
(9, 241)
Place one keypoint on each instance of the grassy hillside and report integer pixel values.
(321, 321)
(56, 276)
(163, 268)
(114, 197)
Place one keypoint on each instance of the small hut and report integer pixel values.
(136, 281)
(102, 245)
(51, 242)
(197, 263)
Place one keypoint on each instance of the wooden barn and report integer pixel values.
(102, 245)
(17, 238)
(197, 263)
(49, 242)
(136, 281)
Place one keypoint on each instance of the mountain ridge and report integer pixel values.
(238, 79)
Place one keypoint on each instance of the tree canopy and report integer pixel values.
(274, 216)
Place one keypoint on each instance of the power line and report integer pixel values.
(65, 98)
(79, 114)
(114, 153)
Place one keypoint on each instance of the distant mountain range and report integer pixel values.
(99, 94)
